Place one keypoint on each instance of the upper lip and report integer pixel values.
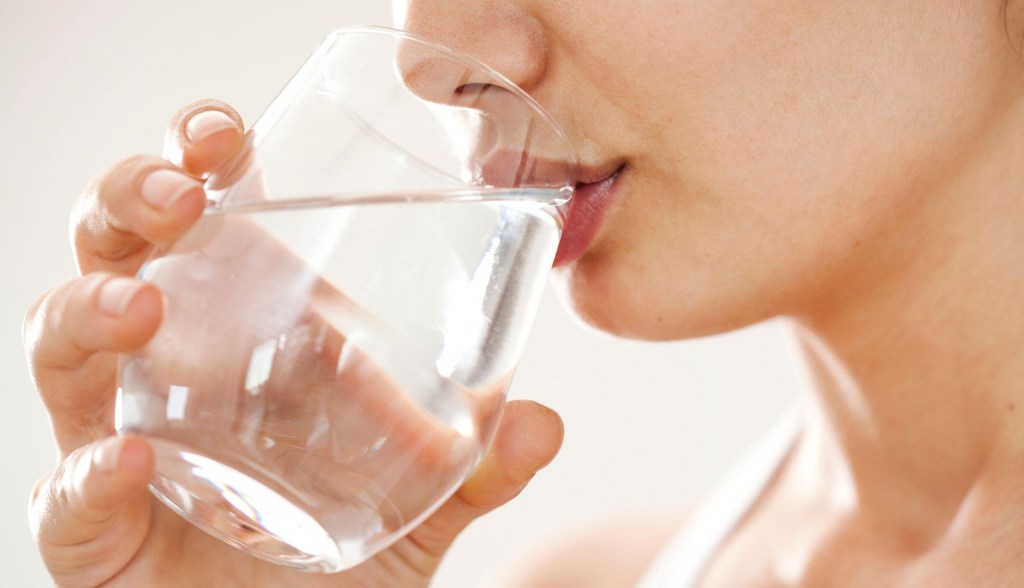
(503, 167)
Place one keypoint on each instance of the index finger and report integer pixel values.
(145, 200)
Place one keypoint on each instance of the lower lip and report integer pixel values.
(586, 211)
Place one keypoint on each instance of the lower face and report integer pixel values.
(773, 152)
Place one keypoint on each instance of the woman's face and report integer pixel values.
(769, 151)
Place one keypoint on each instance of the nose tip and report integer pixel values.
(503, 34)
(480, 97)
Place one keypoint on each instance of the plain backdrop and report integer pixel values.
(649, 427)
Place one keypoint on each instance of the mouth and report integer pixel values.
(592, 198)
(582, 215)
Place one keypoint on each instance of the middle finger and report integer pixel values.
(71, 335)
(139, 202)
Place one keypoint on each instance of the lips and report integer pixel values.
(587, 208)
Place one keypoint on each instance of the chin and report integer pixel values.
(636, 301)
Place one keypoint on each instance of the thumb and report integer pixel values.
(91, 514)
(528, 438)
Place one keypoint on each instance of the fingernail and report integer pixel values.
(107, 454)
(207, 123)
(116, 294)
(162, 188)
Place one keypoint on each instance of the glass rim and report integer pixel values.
(474, 63)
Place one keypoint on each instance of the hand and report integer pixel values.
(93, 518)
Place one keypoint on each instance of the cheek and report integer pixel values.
(795, 154)
(686, 268)
(679, 274)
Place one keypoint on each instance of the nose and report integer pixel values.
(500, 138)
(500, 33)
(509, 142)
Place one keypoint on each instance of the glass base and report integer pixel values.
(243, 512)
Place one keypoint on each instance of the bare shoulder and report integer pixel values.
(612, 553)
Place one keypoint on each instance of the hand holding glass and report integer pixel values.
(341, 324)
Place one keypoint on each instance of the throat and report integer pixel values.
(913, 439)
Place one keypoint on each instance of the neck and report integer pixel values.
(918, 363)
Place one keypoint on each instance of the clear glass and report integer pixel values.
(342, 323)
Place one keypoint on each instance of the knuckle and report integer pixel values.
(98, 223)
(38, 505)
(29, 323)
(62, 487)
(39, 485)
(53, 322)
(66, 494)
(117, 244)
(48, 497)
(42, 485)
(40, 318)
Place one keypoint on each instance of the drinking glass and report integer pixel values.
(341, 324)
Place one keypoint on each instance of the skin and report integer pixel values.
(853, 166)
(93, 519)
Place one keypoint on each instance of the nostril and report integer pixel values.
(435, 76)
(474, 88)
(482, 97)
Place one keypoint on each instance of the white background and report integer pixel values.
(84, 83)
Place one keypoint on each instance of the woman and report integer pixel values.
(852, 165)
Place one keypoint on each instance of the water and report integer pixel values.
(330, 369)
